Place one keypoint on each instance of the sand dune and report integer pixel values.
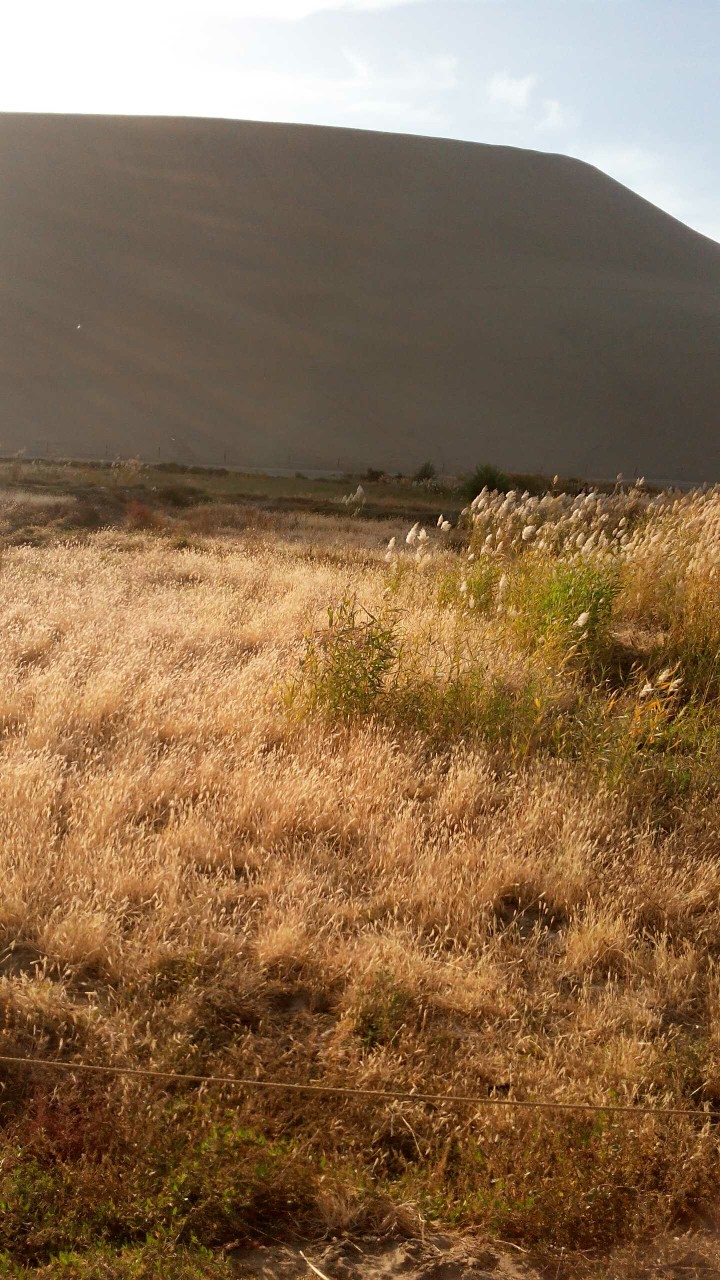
(292, 296)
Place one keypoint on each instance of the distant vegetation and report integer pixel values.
(425, 472)
(486, 477)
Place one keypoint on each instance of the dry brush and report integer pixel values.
(459, 834)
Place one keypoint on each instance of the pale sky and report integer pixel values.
(633, 86)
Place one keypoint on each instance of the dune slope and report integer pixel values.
(274, 295)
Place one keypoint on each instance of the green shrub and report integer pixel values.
(472, 587)
(345, 670)
(383, 1011)
(693, 639)
(358, 667)
(486, 476)
(467, 704)
(182, 495)
(565, 605)
(536, 485)
(180, 1174)
(425, 473)
(160, 1257)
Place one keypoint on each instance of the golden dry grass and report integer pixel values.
(209, 866)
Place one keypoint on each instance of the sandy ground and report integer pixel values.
(687, 1257)
(439, 1258)
(279, 295)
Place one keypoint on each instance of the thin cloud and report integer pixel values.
(514, 100)
(141, 14)
(554, 116)
(409, 93)
(289, 10)
(510, 91)
(412, 74)
(403, 114)
(93, 60)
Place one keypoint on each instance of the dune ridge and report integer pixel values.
(271, 295)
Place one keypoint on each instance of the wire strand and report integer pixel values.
(346, 1091)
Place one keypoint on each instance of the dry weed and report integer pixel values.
(197, 877)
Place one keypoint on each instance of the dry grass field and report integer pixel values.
(277, 801)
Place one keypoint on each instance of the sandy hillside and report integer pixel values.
(276, 295)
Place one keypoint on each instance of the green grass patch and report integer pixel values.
(566, 606)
